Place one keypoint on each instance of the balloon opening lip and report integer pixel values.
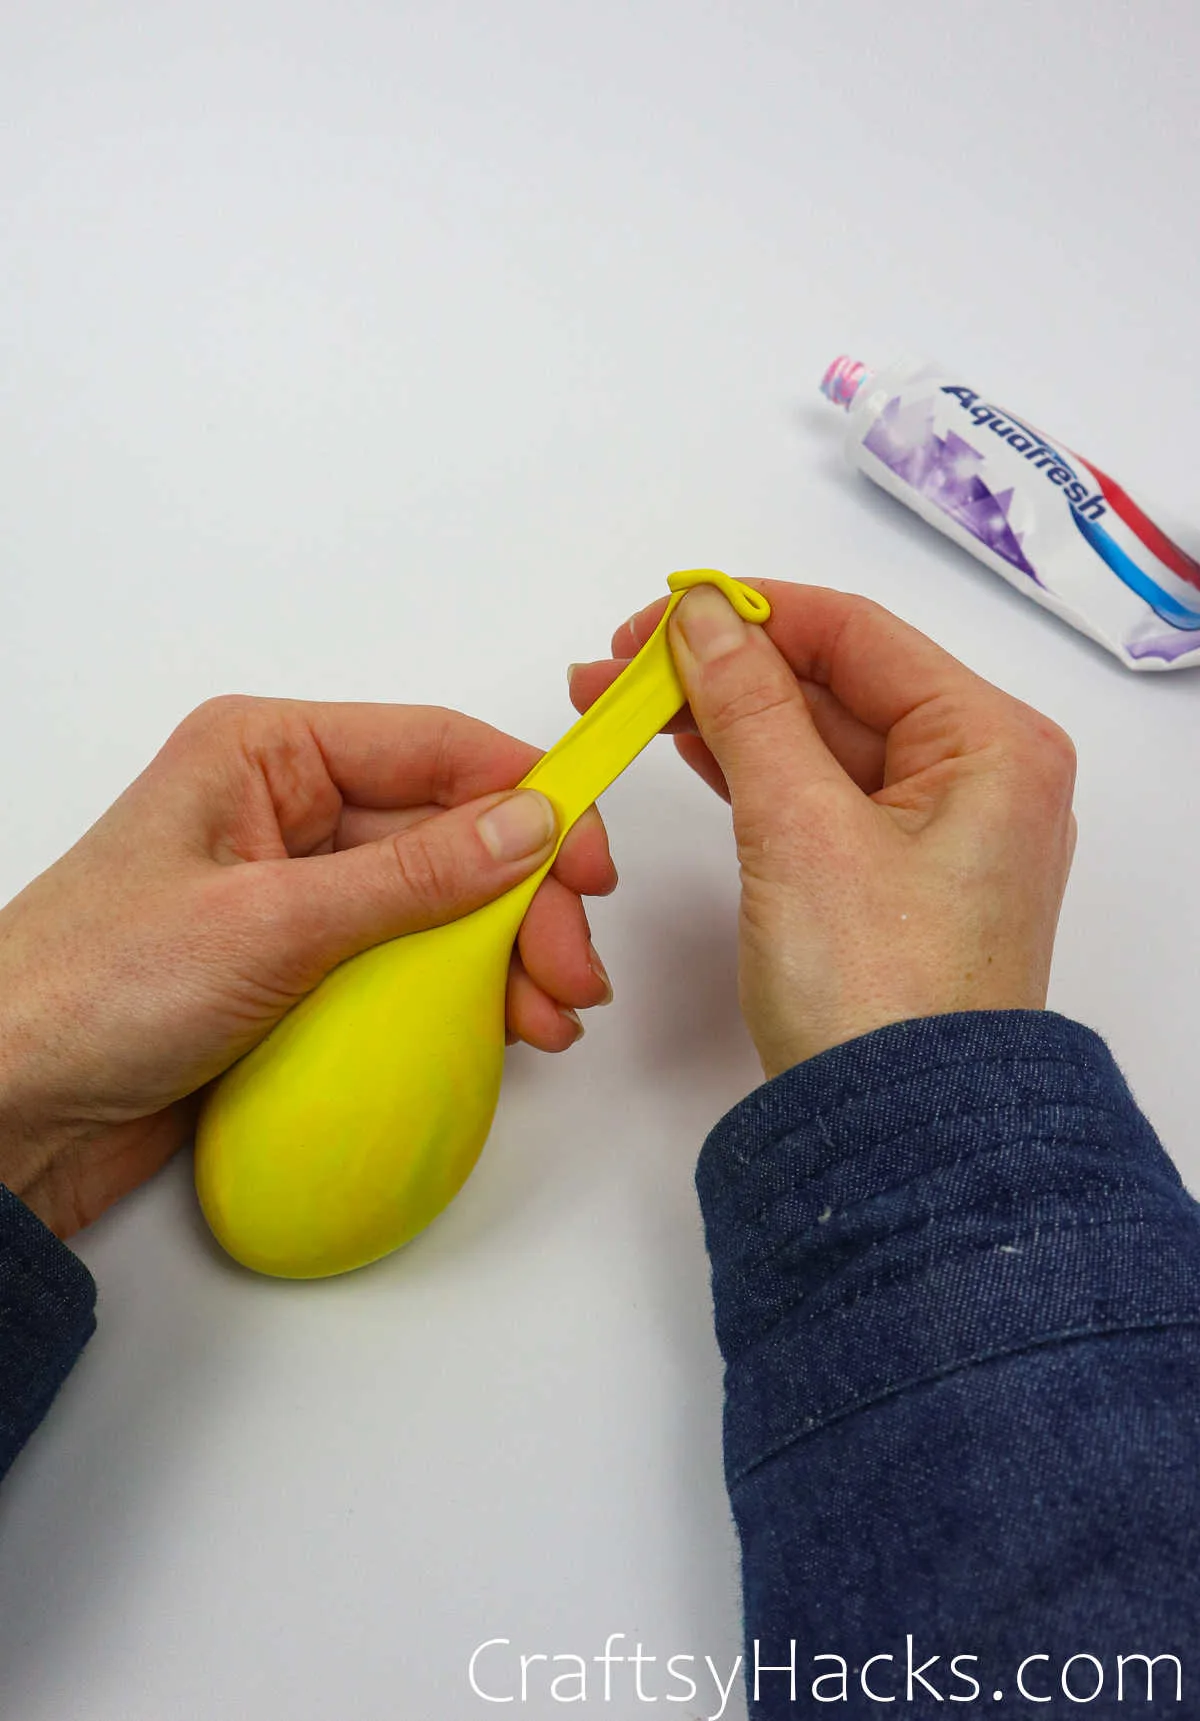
(750, 604)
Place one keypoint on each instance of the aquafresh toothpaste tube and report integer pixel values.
(1048, 521)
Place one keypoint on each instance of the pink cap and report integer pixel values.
(843, 380)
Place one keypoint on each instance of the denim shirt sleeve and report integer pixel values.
(957, 1289)
(47, 1304)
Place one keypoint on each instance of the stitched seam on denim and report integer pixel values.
(1119, 1185)
(889, 1281)
(1058, 1138)
(913, 1228)
(1069, 1335)
(962, 1115)
(847, 1097)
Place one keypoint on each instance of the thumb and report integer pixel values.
(430, 873)
(749, 708)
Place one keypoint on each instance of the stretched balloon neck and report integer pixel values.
(631, 712)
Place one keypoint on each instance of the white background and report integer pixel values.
(398, 351)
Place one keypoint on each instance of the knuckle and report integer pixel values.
(749, 705)
(223, 713)
(225, 708)
(1047, 756)
(1037, 783)
(427, 875)
(1062, 750)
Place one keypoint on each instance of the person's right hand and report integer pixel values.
(904, 828)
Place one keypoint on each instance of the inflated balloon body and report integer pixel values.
(360, 1116)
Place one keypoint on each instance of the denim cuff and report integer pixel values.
(47, 1315)
(937, 1193)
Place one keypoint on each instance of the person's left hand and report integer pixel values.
(268, 841)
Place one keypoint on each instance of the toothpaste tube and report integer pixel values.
(1047, 520)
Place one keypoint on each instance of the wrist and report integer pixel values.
(782, 1044)
(29, 1138)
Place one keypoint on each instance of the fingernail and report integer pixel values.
(601, 973)
(517, 827)
(572, 668)
(711, 627)
(571, 1016)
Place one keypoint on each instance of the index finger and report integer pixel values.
(877, 666)
(385, 756)
(318, 759)
(632, 635)
(399, 755)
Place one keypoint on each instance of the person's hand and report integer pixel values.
(268, 841)
(904, 828)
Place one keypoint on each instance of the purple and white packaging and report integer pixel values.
(1046, 520)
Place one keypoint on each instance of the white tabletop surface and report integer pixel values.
(382, 350)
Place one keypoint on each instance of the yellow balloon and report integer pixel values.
(360, 1116)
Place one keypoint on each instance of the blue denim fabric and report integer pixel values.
(47, 1303)
(957, 1289)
